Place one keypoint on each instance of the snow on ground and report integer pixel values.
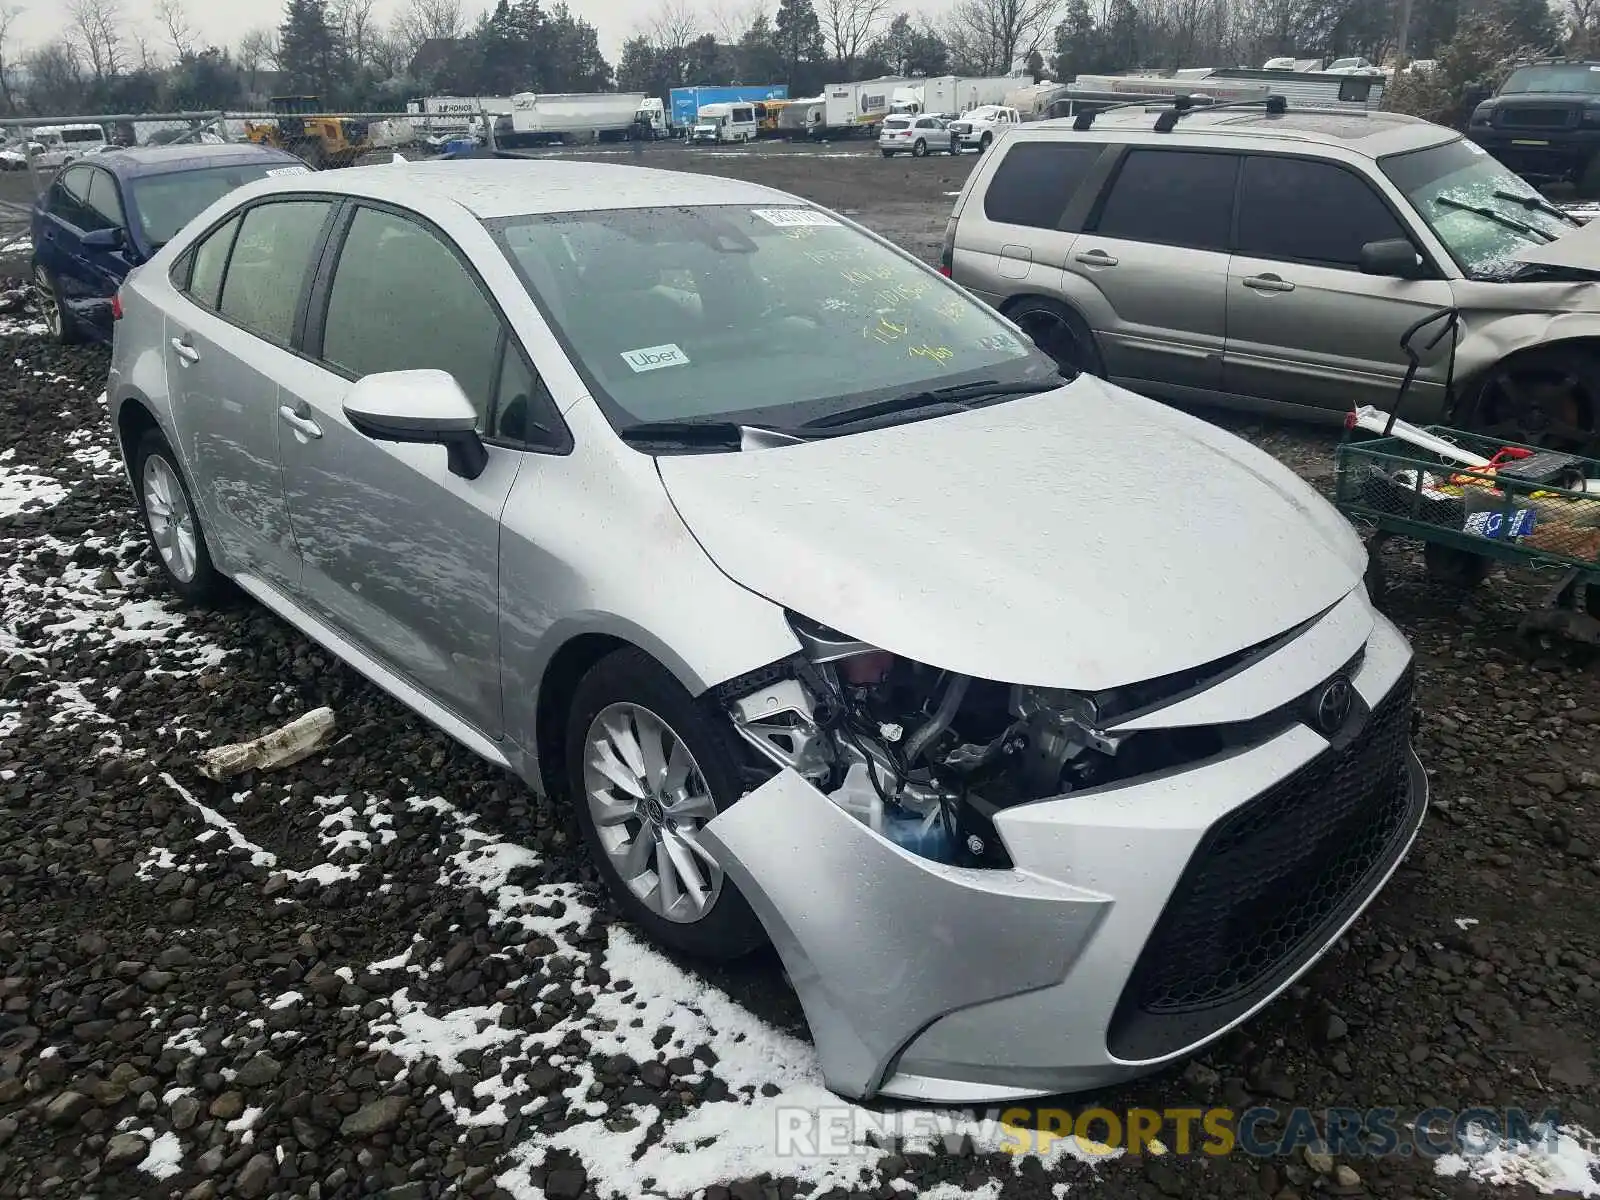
(22, 490)
(1566, 1163)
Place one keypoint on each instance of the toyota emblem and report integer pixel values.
(1333, 705)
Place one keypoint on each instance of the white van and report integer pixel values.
(725, 123)
(63, 143)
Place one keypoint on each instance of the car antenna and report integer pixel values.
(1183, 105)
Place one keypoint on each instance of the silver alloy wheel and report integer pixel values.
(47, 301)
(172, 524)
(649, 802)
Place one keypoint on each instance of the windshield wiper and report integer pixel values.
(1538, 202)
(1499, 218)
(690, 431)
(958, 398)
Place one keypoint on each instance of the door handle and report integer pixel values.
(304, 426)
(185, 351)
(1096, 258)
(1268, 283)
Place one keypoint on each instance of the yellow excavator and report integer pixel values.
(299, 127)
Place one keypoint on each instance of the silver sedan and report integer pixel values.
(1047, 731)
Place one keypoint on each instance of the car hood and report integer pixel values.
(1580, 249)
(1083, 538)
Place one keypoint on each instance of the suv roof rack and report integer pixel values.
(1182, 106)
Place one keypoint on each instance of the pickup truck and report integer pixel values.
(979, 127)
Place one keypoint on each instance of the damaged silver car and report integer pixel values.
(1049, 733)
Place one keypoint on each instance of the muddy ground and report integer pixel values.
(388, 971)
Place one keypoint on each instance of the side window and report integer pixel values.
(103, 201)
(207, 262)
(523, 410)
(267, 270)
(1035, 180)
(1173, 198)
(1298, 210)
(69, 198)
(401, 300)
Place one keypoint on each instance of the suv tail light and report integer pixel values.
(116, 306)
(947, 256)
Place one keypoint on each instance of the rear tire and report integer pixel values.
(1454, 567)
(887, 153)
(920, 150)
(172, 523)
(626, 700)
(1060, 333)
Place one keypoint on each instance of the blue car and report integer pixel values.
(107, 213)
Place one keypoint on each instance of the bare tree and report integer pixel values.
(97, 27)
(994, 35)
(55, 79)
(674, 27)
(730, 20)
(145, 55)
(356, 26)
(257, 49)
(425, 20)
(175, 22)
(851, 25)
(389, 53)
(1583, 16)
(8, 15)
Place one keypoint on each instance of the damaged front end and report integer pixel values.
(926, 757)
(984, 891)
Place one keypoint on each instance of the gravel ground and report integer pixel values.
(388, 971)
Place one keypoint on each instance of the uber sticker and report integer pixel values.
(653, 358)
(793, 218)
(294, 170)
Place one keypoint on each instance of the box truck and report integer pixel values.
(950, 94)
(850, 108)
(684, 103)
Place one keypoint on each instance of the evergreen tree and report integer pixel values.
(798, 38)
(310, 49)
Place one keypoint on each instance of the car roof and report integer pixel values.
(185, 156)
(490, 187)
(1363, 131)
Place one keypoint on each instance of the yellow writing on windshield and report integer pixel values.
(885, 331)
(939, 354)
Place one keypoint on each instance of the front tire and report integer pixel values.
(1546, 397)
(172, 523)
(648, 768)
(59, 320)
(984, 142)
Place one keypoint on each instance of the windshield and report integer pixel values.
(1484, 244)
(166, 203)
(770, 315)
(1566, 77)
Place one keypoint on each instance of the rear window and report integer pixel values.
(83, 135)
(166, 203)
(897, 123)
(1035, 180)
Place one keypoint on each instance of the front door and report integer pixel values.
(225, 351)
(400, 555)
(1155, 257)
(1305, 326)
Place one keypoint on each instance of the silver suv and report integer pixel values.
(1272, 260)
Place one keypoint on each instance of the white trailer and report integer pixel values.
(950, 94)
(858, 107)
(572, 116)
(1032, 101)
(443, 115)
(1166, 85)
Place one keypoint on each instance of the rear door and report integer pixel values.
(245, 286)
(401, 556)
(1153, 263)
(1305, 326)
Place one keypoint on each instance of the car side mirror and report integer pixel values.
(422, 406)
(104, 239)
(1394, 257)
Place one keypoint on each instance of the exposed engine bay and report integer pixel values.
(926, 757)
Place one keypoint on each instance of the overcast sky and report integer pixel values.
(222, 21)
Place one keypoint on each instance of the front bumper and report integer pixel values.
(1534, 151)
(1140, 921)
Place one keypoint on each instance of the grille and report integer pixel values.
(1536, 118)
(1267, 884)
